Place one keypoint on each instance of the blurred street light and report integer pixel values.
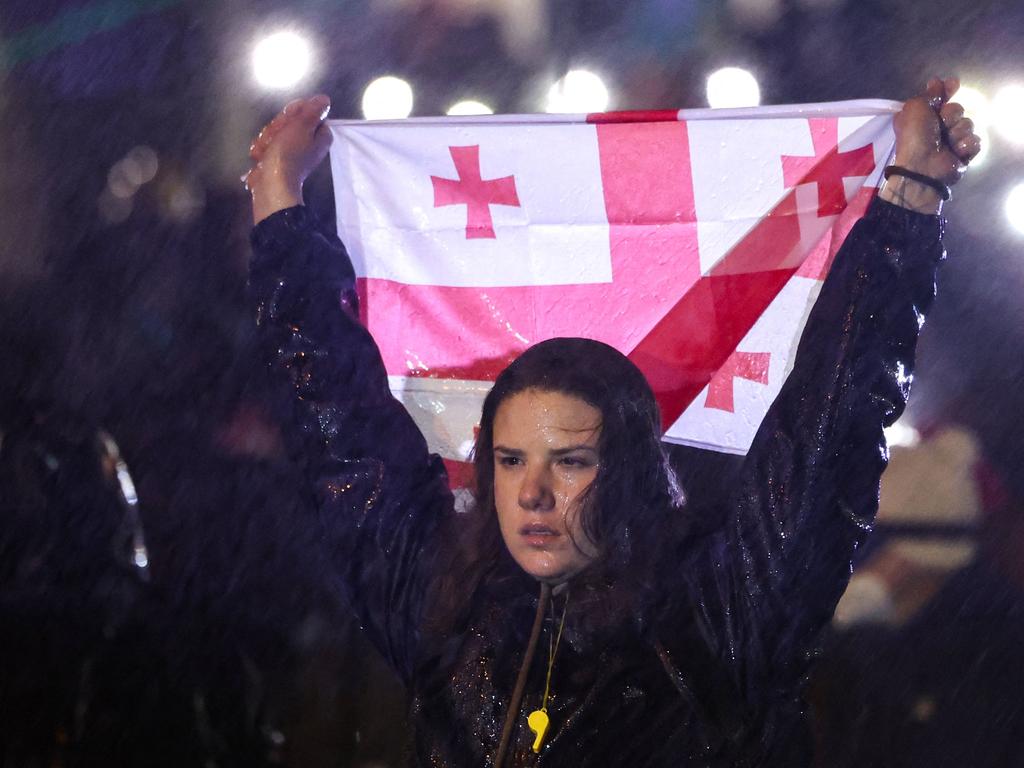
(976, 105)
(1008, 113)
(578, 92)
(733, 87)
(387, 98)
(469, 107)
(1015, 208)
(281, 60)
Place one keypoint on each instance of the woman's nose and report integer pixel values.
(536, 493)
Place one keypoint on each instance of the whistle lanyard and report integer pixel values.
(538, 720)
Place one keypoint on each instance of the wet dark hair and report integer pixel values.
(632, 508)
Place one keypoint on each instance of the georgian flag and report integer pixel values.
(693, 241)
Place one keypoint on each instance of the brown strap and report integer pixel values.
(524, 670)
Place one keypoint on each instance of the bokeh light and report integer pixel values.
(1008, 112)
(140, 165)
(976, 104)
(902, 433)
(281, 60)
(578, 92)
(1015, 208)
(136, 168)
(387, 98)
(119, 182)
(733, 87)
(469, 107)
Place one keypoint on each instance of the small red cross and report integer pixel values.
(474, 192)
(752, 366)
(828, 166)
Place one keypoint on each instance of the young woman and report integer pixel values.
(576, 615)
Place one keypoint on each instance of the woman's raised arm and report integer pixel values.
(809, 488)
(379, 493)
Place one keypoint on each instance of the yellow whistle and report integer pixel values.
(538, 722)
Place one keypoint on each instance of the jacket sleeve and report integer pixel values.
(808, 489)
(379, 494)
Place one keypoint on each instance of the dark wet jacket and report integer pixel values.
(714, 677)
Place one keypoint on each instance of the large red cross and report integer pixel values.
(752, 366)
(828, 166)
(477, 194)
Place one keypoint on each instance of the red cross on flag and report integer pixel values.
(694, 241)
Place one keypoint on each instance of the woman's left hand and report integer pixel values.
(933, 138)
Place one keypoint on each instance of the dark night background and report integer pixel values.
(131, 314)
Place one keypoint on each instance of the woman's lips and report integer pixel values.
(538, 534)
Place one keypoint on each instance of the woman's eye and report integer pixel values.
(573, 461)
(509, 461)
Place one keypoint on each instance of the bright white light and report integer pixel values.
(733, 87)
(281, 60)
(976, 105)
(469, 108)
(141, 557)
(1008, 113)
(903, 434)
(1015, 208)
(387, 98)
(579, 91)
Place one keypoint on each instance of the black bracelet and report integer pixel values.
(941, 189)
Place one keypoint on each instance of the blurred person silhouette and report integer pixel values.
(924, 667)
(100, 664)
(73, 569)
(153, 341)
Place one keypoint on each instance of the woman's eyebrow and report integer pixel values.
(573, 448)
(510, 451)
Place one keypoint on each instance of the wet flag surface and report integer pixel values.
(693, 241)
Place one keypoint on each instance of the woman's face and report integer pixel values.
(545, 456)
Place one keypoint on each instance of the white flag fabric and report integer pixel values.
(693, 241)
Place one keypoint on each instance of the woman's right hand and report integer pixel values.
(284, 153)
